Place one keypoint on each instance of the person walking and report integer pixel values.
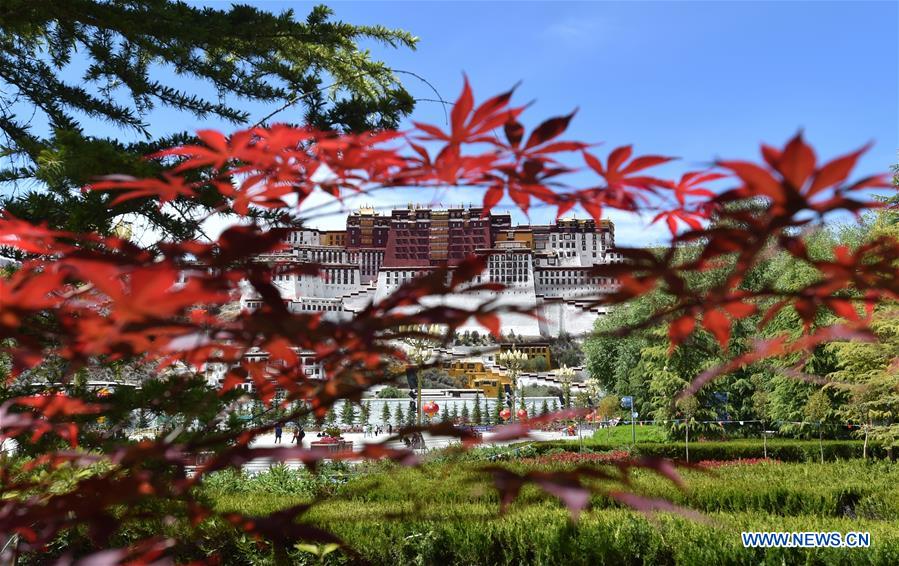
(300, 434)
(278, 432)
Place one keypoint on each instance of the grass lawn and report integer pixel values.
(447, 513)
(621, 435)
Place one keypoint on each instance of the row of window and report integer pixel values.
(340, 276)
(324, 256)
(555, 278)
(311, 307)
(398, 277)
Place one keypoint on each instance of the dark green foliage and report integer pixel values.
(640, 364)
(476, 415)
(541, 391)
(535, 364)
(566, 351)
(330, 417)
(445, 512)
(347, 413)
(786, 450)
(434, 378)
(390, 392)
(66, 67)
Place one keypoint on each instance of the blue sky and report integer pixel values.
(697, 80)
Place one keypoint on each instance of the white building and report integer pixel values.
(546, 270)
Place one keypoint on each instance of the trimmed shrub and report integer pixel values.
(783, 450)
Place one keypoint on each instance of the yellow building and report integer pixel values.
(523, 235)
(477, 376)
(333, 238)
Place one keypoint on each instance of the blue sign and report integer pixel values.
(627, 402)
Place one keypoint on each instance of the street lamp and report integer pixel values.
(513, 360)
(419, 346)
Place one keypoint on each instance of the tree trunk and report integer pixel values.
(687, 442)
(821, 442)
(865, 446)
(765, 443)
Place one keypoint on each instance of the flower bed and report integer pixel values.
(577, 457)
(738, 462)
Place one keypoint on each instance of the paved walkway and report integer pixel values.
(358, 439)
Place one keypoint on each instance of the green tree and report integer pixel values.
(256, 410)
(544, 408)
(640, 364)
(464, 414)
(867, 374)
(500, 405)
(436, 378)
(565, 350)
(476, 415)
(330, 417)
(399, 415)
(817, 410)
(365, 413)
(390, 392)
(454, 414)
(65, 67)
(445, 414)
(385, 414)
(689, 408)
(760, 400)
(347, 413)
(536, 364)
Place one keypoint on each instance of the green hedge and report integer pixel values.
(784, 450)
(448, 514)
(543, 535)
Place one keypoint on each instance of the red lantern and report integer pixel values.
(430, 408)
(522, 415)
(505, 414)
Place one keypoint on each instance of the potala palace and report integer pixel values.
(545, 268)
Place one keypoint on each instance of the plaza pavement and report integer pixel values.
(359, 439)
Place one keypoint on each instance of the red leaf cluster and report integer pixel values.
(83, 298)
